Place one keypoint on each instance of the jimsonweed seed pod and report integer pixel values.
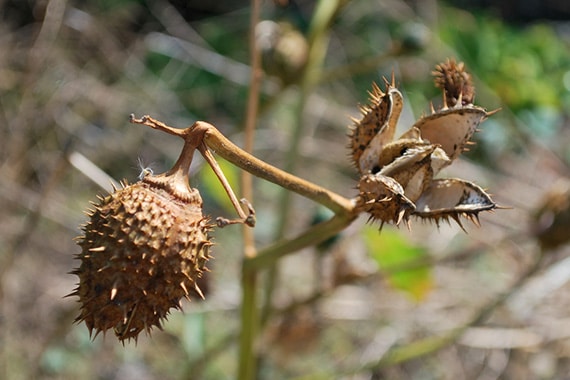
(398, 176)
(143, 249)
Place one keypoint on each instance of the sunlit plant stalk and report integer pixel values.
(248, 312)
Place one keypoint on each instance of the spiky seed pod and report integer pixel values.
(143, 249)
(453, 198)
(455, 82)
(397, 176)
(383, 199)
(377, 126)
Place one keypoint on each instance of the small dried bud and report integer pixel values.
(455, 82)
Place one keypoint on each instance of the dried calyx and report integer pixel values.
(456, 83)
(397, 176)
(145, 246)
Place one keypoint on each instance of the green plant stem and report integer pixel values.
(249, 317)
(248, 311)
(312, 236)
(318, 41)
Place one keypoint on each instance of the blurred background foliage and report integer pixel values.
(72, 71)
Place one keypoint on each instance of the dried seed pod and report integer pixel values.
(377, 127)
(284, 50)
(143, 249)
(455, 82)
(383, 199)
(397, 176)
(412, 169)
(452, 128)
(453, 198)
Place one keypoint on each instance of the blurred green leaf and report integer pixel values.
(396, 258)
(212, 188)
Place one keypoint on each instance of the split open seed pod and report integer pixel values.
(398, 176)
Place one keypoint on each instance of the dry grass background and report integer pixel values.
(72, 72)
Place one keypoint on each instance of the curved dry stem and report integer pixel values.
(226, 149)
(193, 137)
(202, 135)
(158, 125)
(249, 218)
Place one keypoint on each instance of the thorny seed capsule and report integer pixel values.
(143, 250)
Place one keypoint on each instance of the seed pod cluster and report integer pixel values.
(398, 175)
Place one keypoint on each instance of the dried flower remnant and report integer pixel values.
(456, 83)
(397, 176)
